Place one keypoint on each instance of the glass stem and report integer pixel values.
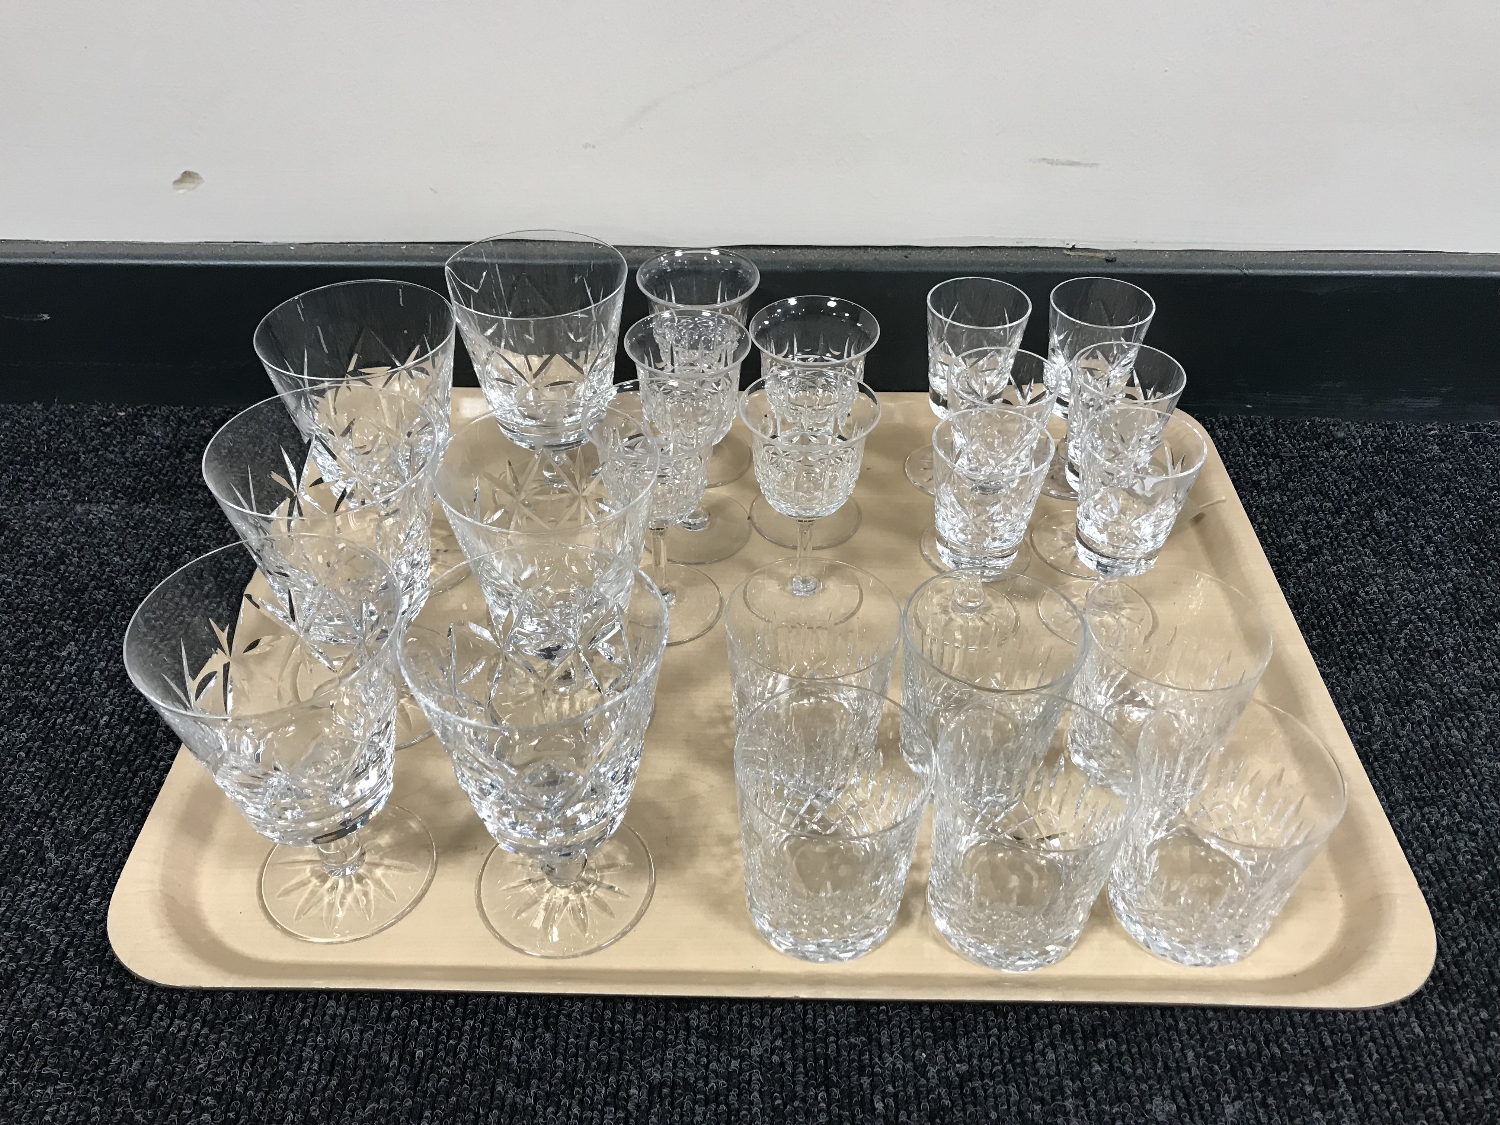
(696, 520)
(803, 583)
(565, 870)
(659, 559)
(344, 856)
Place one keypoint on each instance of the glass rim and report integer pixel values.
(1150, 311)
(1022, 319)
(678, 306)
(909, 644)
(904, 714)
(1236, 595)
(473, 424)
(639, 580)
(429, 470)
(1039, 424)
(352, 376)
(572, 236)
(319, 697)
(638, 329)
(758, 322)
(1181, 425)
(860, 388)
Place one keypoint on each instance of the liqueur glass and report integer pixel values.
(707, 280)
(1001, 377)
(681, 476)
(688, 364)
(964, 314)
(812, 361)
(284, 687)
(991, 462)
(539, 680)
(1171, 641)
(539, 311)
(1222, 839)
(1084, 311)
(1137, 474)
(768, 655)
(1023, 838)
(1106, 374)
(807, 457)
(833, 781)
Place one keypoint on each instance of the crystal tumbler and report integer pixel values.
(1136, 476)
(499, 494)
(298, 732)
(966, 638)
(807, 456)
(1023, 838)
(1222, 839)
(539, 311)
(769, 653)
(833, 781)
(1171, 641)
(688, 364)
(540, 685)
(709, 280)
(1105, 374)
(964, 314)
(812, 359)
(991, 462)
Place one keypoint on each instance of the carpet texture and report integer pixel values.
(1383, 536)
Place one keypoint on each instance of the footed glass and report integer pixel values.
(285, 691)
(539, 311)
(1223, 838)
(1116, 372)
(538, 670)
(1023, 837)
(833, 781)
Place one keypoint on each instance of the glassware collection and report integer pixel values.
(1081, 720)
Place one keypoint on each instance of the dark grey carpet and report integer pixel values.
(1384, 536)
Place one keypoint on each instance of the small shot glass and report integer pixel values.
(833, 781)
(1138, 467)
(1023, 837)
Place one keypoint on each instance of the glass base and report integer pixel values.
(724, 530)
(933, 552)
(693, 601)
(534, 915)
(730, 461)
(1109, 567)
(1054, 540)
(308, 903)
(829, 531)
(412, 726)
(919, 469)
(1169, 947)
(1006, 959)
(823, 594)
(1056, 485)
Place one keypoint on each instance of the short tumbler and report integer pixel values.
(833, 781)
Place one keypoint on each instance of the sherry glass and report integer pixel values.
(812, 360)
(539, 311)
(1001, 377)
(708, 280)
(284, 687)
(1104, 374)
(963, 314)
(688, 363)
(537, 669)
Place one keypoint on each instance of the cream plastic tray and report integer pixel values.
(1356, 933)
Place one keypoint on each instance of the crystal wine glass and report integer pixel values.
(285, 691)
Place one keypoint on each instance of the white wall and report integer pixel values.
(1344, 124)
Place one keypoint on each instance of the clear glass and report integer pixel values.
(499, 494)
(539, 311)
(1001, 377)
(1136, 476)
(681, 478)
(966, 638)
(964, 314)
(808, 449)
(1222, 839)
(774, 642)
(1172, 641)
(1091, 310)
(286, 693)
(991, 462)
(691, 280)
(321, 347)
(1105, 374)
(1023, 837)
(540, 682)
(833, 781)
(370, 483)
(688, 364)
